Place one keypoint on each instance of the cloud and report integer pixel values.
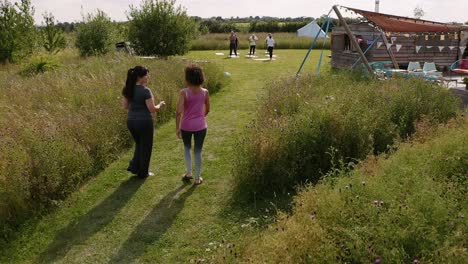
(71, 10)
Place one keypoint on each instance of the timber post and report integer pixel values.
(353, 40)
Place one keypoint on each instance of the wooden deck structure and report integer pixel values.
(409, 33)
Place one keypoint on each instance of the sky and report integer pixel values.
(437, 10)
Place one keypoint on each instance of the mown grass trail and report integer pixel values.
(118, 219)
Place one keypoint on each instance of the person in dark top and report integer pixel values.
(139, 101)
(233, 43)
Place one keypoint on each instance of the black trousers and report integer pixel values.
(270, 51)
(142, 132)
(232, 47)
(252, 50)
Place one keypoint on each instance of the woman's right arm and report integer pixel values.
(180, 111)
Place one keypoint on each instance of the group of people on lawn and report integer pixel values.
(234, 44)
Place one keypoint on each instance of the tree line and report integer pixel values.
(155, 27)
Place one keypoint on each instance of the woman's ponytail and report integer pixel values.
(132, 78)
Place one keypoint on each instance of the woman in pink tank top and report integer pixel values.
(192, 109)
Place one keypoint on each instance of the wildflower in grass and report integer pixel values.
(378, 261)
(382, 203)
(363, 183)
(376, 203)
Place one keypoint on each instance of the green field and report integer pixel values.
(117, 219)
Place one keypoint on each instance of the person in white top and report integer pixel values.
(270, 41)
(253, 44)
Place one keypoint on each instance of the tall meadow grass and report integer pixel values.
(409, 208)
(283, 41)
(59, 128)
(305, 126)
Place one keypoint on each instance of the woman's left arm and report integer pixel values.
(125, 103)
(207, 103)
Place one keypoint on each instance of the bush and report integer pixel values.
(18, 33)
(95, 35)
(304, 125)
(215, 26)
(160, 28)
(38, 65)
(273, 27)
(53, 39)
(410, 208)
(70, 126)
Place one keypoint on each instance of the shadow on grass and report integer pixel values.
(153, 227)
(87, 225)
(242, 208)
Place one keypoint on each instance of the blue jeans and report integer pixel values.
(199, 138)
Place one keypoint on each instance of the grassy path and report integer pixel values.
(118, 219)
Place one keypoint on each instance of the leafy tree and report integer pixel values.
(18, 34)
(418, 12)
(95, 35)
(121, 31)
(53, 39)
(161, 28)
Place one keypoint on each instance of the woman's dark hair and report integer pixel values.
(194, 75)
(132, 77)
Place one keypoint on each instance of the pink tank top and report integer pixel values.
(194, 111)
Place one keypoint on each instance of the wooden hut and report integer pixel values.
(398, 39)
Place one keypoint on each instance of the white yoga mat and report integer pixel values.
(219, 54)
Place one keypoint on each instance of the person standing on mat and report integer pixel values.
(253, 44)
(192, 109)
(233, 43)
(139, 101)
(270, 42)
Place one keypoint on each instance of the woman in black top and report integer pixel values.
(139, 101)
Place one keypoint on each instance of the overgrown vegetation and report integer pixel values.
(60, 128)
(409, 208)
(274, 27)
(160, 28)
(39, 64)
(18, 36)
(303, 126)
(283, 41)
(53, 39)
(96, 35)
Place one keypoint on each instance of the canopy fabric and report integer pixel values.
(391, 23)
(310, 30)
